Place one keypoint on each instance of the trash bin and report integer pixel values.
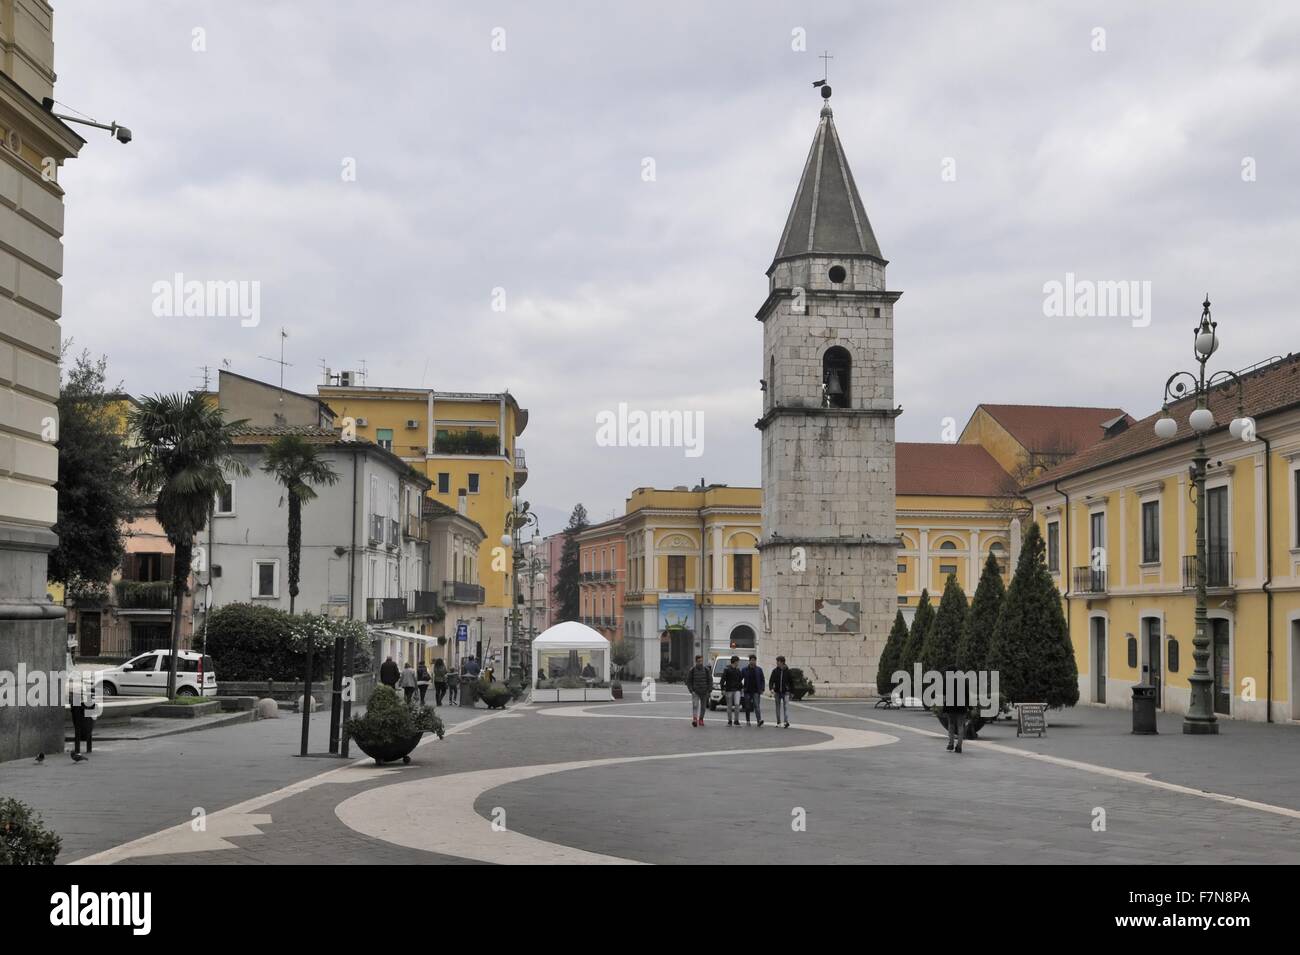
(1144, 710)
(467, 695)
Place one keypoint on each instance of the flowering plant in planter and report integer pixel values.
(390, 729)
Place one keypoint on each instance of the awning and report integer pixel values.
(404, 635)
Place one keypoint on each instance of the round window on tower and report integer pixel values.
(837, 274)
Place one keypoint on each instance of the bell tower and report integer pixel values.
(829, 544)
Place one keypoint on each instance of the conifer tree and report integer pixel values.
(911, 652)
(889, 656)
(973, 651)
(939, 651)
(1031, 647)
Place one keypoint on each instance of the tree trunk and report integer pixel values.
(180, 570)
(295, 546)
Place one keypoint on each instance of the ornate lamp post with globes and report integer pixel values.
(1200, 719)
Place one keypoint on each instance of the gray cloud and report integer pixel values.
(522, 170)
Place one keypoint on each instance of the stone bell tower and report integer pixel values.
(829, 553)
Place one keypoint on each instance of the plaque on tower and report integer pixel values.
(837, 616)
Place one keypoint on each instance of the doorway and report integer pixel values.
(1295, 669)
(88, 637)
(1221, 665)
(1099, 659)
(1152, 664)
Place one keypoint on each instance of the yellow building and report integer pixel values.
(1120, 528)
(691, 573)
(953, 509)
(465, 444)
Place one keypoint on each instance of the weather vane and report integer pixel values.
(823, 83)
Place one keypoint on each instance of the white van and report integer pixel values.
(146, 675)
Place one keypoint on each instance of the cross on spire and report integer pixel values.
(826, 67)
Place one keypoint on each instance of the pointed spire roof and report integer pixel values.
(827, 217)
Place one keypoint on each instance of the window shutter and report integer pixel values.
(168, 565)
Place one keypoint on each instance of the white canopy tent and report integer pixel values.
(572, 652)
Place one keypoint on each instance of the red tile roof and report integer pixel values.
(1053, 429)
(1269, 389)
(950, 470)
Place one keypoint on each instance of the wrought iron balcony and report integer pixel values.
(423, 602)
(1219, 570)
(143, 595)
(456, 592)
(414, 527)
(1089, 580)
(376, 528)
(384, 609)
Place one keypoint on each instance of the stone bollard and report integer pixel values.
(267, 709)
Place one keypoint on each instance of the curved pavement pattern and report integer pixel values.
(396, 813)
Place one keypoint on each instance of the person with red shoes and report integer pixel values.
(699, 683)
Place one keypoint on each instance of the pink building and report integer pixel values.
(552, 549)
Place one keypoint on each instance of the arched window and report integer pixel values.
(836, 377)
(771, 381)
(948, 545)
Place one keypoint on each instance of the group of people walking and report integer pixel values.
(742, 690)
(416, 679)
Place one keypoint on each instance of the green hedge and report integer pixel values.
(23, 839)
(250, 642)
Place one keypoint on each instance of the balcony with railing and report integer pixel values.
(521, 467)
(376, 528)
(1219, 570)
(385, 609)
(413, 527)
(422, 602)
(142, 595)
(394, 532)
(457, 592)
(1089, 580)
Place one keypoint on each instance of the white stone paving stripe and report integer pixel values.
(401, 813)
(1127, 775)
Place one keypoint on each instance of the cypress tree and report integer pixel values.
(889, 656)
(1031, 647)
(911, 652)
(939, 651)
(973, 650)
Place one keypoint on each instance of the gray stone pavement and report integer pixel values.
(906, 801)
(128, 789)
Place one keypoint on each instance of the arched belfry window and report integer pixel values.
(836, 377)
(771, 381)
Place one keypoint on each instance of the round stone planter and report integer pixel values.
(388, 750)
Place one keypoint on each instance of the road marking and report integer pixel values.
(242, 819)
(1127, 775)
(401, 813)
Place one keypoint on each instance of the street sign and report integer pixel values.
(1033, 719)
(462, 632)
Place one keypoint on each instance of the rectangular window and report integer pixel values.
(1151, 532)
(744, 572)
(473, 483)
(444, 482)
(1296, 475)
(947, 568)
(1097, 545)
(384, 438)
(677, 573)
(902, 568)
(266, 579)
(226, 499)
(1054, 546)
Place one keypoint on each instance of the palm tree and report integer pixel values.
(183, 454)
(296, 464)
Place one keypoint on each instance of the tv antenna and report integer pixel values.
(280, 361)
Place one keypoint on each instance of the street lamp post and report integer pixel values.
(520, 516)
(1200, 719)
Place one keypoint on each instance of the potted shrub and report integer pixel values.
(495, 695)
(23, 839)
(800, 684)
(391, 729)
(616, 690)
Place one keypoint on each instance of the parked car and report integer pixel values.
(146, 675)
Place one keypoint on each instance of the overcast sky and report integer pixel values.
(522, 170)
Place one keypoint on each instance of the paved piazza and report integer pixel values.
(634, 782)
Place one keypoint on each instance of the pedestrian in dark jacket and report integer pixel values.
(439, 681)
(731, 682)
(782, 687)
(389, 674)
(699, 682)
(954, 711)
(751, 679)
(422, 680)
